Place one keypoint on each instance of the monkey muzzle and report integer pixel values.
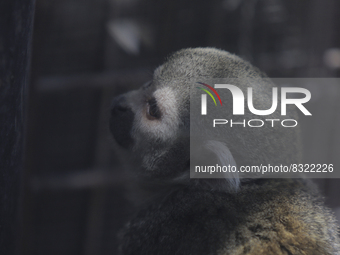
(121, 121)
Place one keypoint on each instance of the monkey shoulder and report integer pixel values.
(264, 217)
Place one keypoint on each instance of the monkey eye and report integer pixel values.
(152, 109)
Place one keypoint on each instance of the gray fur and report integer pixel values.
(189, 216)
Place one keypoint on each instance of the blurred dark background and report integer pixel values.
(87, 51)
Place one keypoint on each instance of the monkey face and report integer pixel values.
(151, 122)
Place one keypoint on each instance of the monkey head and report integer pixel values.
(154, 121)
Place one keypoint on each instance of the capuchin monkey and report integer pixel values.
(213, 216)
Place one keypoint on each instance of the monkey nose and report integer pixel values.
(119, 104)
(121, 121)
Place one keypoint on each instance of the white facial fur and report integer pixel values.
(167, 126)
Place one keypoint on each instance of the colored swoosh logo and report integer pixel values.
(213, 90)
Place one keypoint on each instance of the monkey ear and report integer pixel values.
(224, 157)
